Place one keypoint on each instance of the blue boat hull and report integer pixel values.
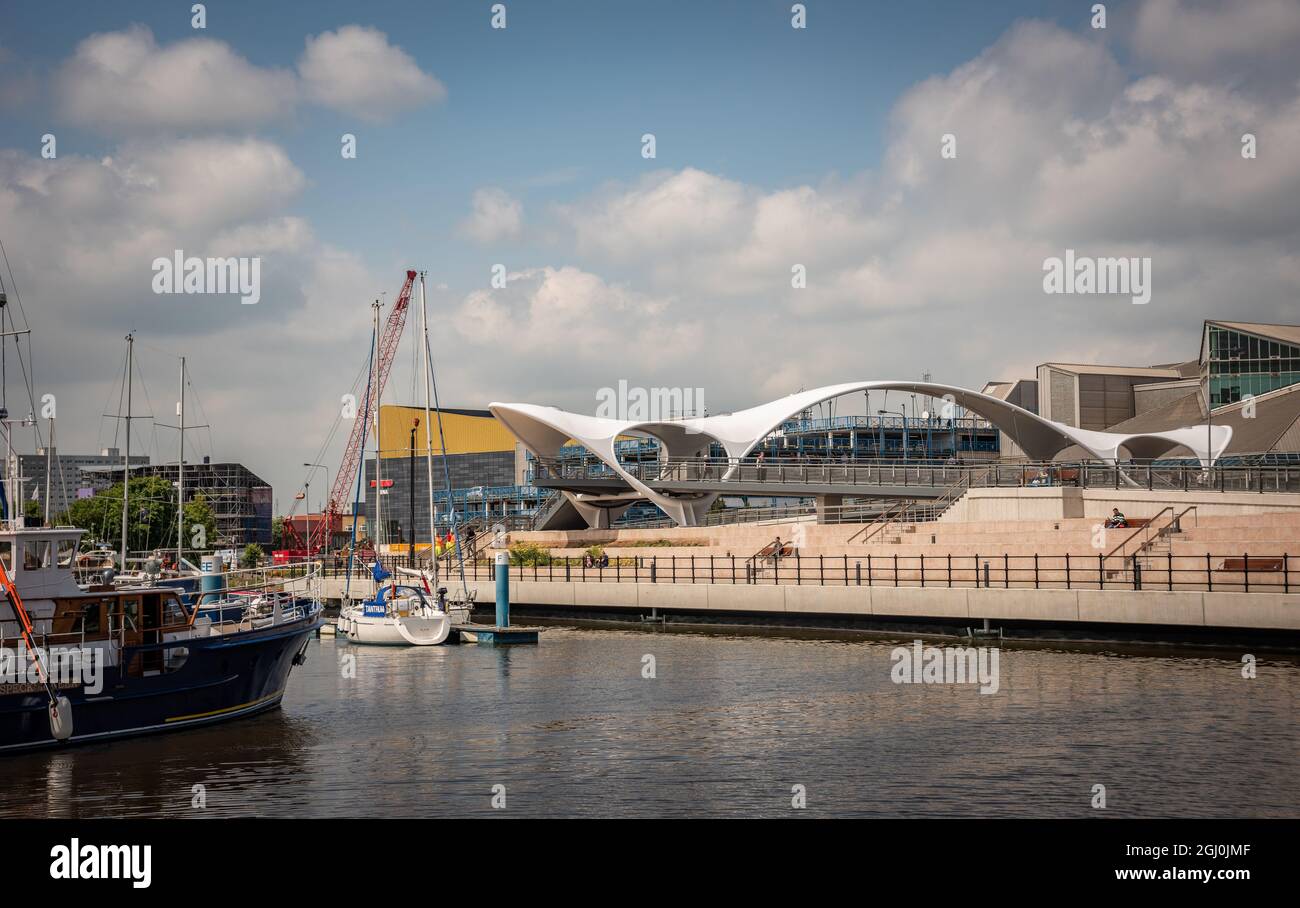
(219, 679)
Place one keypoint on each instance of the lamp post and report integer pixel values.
(902, 413)
(313, 467)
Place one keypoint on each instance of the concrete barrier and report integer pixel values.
(1245, 611)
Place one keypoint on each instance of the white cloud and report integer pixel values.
(1057, 148)
(496, 216)
(116, 82)
(1210, 39)
(357, 71)
(589, 332)
(120, 82)
(83, 259)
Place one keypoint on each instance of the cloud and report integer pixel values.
(356, 70)
(590, 332)
(90, 231)
(1221, 39)
(1057, 148)
(118, 83)
(496, 216)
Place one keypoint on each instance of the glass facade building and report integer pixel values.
(1241, 363)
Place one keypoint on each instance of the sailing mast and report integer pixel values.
(126, 460)
(379, 488)
(446, 473)
(428, 436)
(180, 474)
(49, 454)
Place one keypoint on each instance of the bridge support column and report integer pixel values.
(825, 502)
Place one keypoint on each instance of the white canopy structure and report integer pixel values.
(545, 430)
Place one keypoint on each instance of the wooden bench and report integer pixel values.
(1256, 563)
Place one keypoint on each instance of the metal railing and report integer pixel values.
(1240, 572)
(935, 474)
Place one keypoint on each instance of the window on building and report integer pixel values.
(1242, 364)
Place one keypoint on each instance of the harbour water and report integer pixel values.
(727, 727)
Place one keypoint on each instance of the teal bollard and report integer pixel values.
(502, 562)
(213, 582)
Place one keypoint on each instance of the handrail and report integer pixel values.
(874, 471)
(935, 507)
(1138, 531)
(1069, 570)
(878, 525)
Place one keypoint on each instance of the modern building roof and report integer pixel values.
(1289, 334)
(1274, 415)
(1093, 369)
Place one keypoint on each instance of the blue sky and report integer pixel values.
(563, 94)
(776, 147)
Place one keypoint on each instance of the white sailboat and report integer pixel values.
(459, 607)
(396, 615)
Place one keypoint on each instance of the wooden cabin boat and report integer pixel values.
(94, 663)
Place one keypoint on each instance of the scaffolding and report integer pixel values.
(240, 500)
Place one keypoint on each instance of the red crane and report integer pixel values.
(346, 477)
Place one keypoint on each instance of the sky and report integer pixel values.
(522, 147)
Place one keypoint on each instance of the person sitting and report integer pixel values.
(1117, 520)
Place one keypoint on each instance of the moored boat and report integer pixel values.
(100, 662)
(396, 616)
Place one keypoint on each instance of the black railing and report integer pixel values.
(935, 474)
(1251, 573)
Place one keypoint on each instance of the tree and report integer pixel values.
(33, 512)
(151, 521)
(277, 532)
(253, 555)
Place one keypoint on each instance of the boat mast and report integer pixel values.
(180, 474)
(379, 487)
(428, 437)
(126, 459)
(49, 454)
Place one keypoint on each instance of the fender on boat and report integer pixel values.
(61, 719)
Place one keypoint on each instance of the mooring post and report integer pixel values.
(502, 563)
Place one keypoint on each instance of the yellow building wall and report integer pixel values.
(464, 434)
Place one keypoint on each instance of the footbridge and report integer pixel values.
(686, 481)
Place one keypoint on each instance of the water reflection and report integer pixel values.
(729, 724)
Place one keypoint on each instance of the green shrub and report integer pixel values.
(529, 554)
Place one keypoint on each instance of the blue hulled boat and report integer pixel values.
(88, 664)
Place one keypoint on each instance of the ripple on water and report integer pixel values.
(727, 726)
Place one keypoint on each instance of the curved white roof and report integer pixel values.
(544, 430)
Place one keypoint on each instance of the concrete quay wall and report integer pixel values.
(1055, 607)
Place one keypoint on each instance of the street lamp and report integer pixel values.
(902, 413)
(313, 467)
